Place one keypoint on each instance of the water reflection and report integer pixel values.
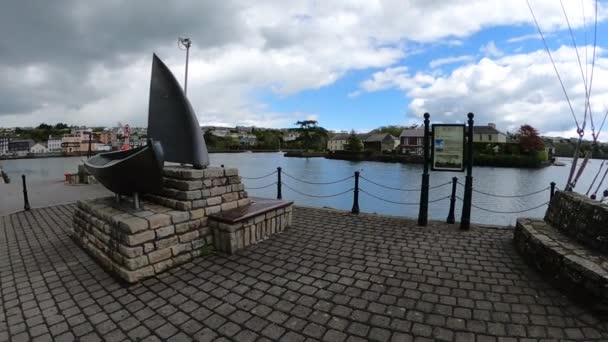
(503, 181)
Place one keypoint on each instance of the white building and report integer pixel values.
(291, 136)
(53, 144)
(338, 142)
(39, 148)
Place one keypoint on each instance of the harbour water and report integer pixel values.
(299, 173)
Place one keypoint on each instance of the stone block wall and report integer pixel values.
(580, 218)
(215, 189)
(140, 244)
(231, 237)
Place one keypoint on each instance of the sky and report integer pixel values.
(355, 64)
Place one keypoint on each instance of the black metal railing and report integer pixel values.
(451, 193)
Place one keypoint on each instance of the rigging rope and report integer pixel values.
(595, 178)
(599, 185)
(581, 169)
(542, 36)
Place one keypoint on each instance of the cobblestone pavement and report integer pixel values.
(331, 277)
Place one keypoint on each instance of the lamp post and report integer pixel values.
(186, 43)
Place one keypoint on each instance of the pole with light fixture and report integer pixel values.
(186, 43)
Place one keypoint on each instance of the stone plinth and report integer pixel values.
(139, 244)
(236, 229)
(175, 225)
(578, 270)
(215, 189)
(580, 218)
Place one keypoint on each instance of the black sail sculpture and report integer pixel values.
(172, 121)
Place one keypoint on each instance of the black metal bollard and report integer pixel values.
(355, 209)
(423, 210)
(552, 190)
(279, 182)
(26, 201)
(451, 218)
(465, 220)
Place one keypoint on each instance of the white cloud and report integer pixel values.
(510, 91)
(491, 50)
(450, 60)
(525, 37)
(284, 47)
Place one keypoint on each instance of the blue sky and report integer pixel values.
(337, 110)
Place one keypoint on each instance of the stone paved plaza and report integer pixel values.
(333, 276)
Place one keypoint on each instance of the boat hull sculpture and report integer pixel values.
(130, 172)
(172, 121)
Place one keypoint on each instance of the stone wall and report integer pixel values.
(580, 218)
(139, 244)
(231, 237)
(215, 189)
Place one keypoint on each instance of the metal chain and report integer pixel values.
(316, 183)
(400, 189)
(268, 175)
(316, 196)
(508, 196)
(402, 203)
(260, 187)
(505, 212)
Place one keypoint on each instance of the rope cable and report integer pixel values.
(260, 187)
(401, 189)
(504, 212)
(402, 203)
(540, 32)
(509, 196)
(316, 183)
(268, 175)
(316, 196)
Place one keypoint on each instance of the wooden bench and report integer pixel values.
(238, 228)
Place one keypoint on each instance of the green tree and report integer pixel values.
(354, 144)
(393, 130)
(312, 137)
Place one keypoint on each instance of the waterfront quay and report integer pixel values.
(332, 276)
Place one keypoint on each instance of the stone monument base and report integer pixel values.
(196, 212)
(139, 244)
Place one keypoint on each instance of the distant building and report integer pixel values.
(291, 136)
(39, 148)
(4, 140)
(248, 140)
(105, 137)
(220, 131)
(53, 144)
(20, 147)
(380, 142)
(411, 141)
(338, 142)
(488, 134)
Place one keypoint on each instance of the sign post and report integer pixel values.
(465, 220)
(423, 210)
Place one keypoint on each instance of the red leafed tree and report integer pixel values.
(529, 140)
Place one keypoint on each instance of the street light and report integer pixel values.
(185, 42)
